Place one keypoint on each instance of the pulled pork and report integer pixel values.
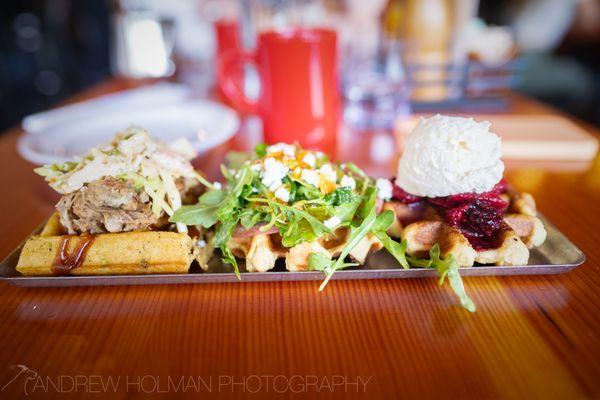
(106, 205)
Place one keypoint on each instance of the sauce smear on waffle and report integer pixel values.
(478, 216)
(64, 261)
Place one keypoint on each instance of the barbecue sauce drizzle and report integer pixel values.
(64, 262)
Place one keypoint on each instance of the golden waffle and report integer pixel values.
(523, 231)
(138, 252)
(262, 251)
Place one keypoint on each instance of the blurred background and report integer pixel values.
(402, 54)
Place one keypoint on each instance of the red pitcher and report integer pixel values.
(299, 99)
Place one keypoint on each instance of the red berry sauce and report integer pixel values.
(402, 196)
(478, 216)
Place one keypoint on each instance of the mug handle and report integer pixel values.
(230, 63)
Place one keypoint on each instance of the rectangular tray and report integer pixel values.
(556, 255)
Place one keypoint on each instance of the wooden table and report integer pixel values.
(533, 337)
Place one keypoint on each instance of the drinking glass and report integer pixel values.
(375, 87)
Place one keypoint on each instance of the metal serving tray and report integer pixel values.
(556, 255)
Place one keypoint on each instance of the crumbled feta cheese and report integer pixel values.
(274, 172)
(309, 159)
(348, 181)
(217, 185)
(282, 194)
(384, 189)
(201, 243)
(287, 149)
(275, 186)
(328, 173)
(256, 167)
(332, 222)
(311, 177)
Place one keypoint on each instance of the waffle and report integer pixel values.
(263, 250)
(424, 227)
(125, 253)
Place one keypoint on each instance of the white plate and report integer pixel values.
(204, 123)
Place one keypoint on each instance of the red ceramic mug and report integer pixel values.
(227, 35)
(299, 99)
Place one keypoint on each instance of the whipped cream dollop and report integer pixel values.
(444, 156)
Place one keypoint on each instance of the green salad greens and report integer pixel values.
(305, 198)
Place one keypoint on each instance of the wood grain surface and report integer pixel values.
(532, 337)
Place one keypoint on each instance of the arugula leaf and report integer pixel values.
(384, 221)
(222, 236)
(366, 181)
(228, 174)
(292, 187)
(261, 150)
(250, 217)
(243, 177)
(318, 261)
(446, 267)
(355, 169)
(398, 250)
(449, 268)
(345, 203)
(319, 210)
(368, 205)
(204, 212)
(236, 159)
(221, 208)
(233, 199)
(203, 180)
(345, 212)
(321, 262)
(418, 262)
(297, 231)
(306, 191)
(356, 235)
(224, 231)
(229, 258)
(380, 227)
(214, 205)
(317, 226)
(212, 197)
(340, 195)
